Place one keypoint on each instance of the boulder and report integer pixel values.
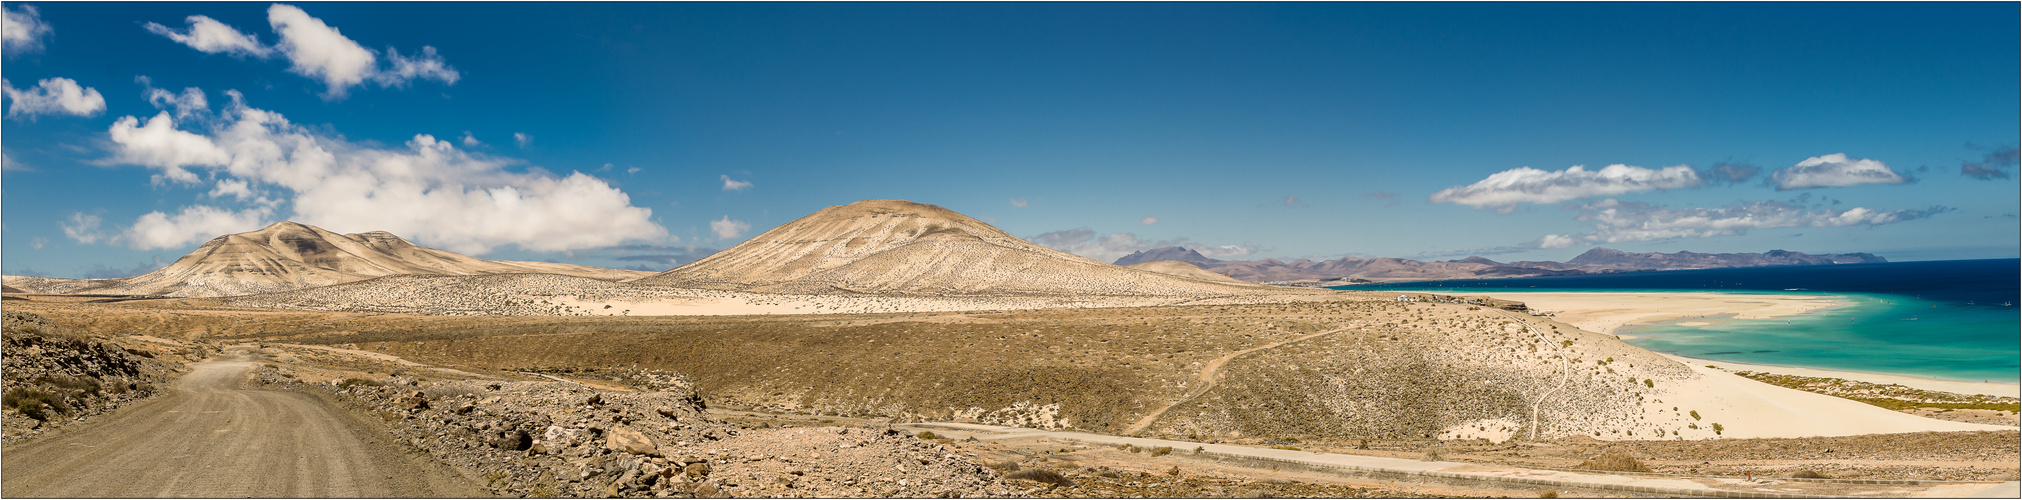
(630, 441)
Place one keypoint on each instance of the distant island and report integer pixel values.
(1347, 270)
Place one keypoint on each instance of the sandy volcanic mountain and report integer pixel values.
(905, 248)
(1183, 269)
(287, 256)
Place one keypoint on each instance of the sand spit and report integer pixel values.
(1605, 312)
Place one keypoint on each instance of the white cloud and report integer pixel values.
(523, 139)
(53, 96)
(38, 242)
(8, 164)
(234, 188)
(190, 103)
(1291, 201)
(314, 49)
(23, 31)
(1109, 247)
(470, 141)
(1617, 221)
(1552, 241)
(730, 185)
(1835, 170)
(195, 223)
(212, 37)
(320, 51)
(632, 170)
(160, 145)
(426, 190)
(1149, 220)
(1018, 202)
(727, 229)
(83, 228)
(1504, 190)
(429, 66)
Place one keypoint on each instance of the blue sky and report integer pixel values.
(644, 135)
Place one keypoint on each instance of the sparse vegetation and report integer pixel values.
(1809, 474)
(929, 435)
(1548, 494)
(1161, 451)
(1041, 475)
(1615, 461)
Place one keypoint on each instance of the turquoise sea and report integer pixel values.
(1955, 320)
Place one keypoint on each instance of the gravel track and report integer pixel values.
(210, 437)
(1207, 379)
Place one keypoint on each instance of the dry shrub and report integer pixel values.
(1006, 466)
(1614, 460)
(1161, 451)
(1041, 475)
(1809, 474)
(1432, 455)
(1548, 494)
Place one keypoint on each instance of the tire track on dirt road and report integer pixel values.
(211, 437)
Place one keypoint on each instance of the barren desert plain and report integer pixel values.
(893, 349)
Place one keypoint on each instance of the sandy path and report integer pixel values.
(211, 438)
(1207, 379)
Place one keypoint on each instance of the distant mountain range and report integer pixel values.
(1598, 260)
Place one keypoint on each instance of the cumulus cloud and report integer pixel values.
(190, 103)
(234, 188)
(427, 66)
(523, 139)
(23, 31)
(727, 229)
(1148, 220)
(82, 228)
(314, 49)
(1018, 203)
(1835, 170)
(470, 141)
(426, 190)
(160, 145)
(1086, 242)
(212, 37)
(1617, 221)
(1732, 172)
(1552, 241)
(1504, 190)
(730, 185)
(193, 224)
(318, 50)
(53, 96)
(1994, 165)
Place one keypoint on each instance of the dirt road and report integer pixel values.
(210, 437)
(1206, 381)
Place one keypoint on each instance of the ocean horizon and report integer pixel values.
(1952, 320)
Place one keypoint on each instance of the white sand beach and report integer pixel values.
(1605, 312)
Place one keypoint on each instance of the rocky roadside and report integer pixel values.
(52, 377)
(561, 439)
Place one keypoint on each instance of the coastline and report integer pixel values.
(1607, 312)
(1991, 388)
